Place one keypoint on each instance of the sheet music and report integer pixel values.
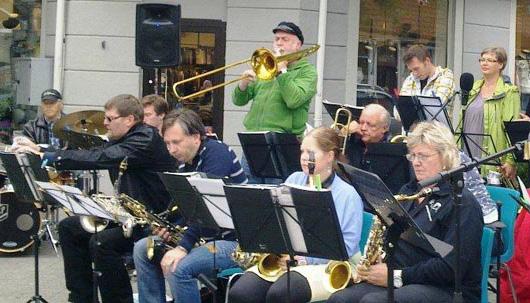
(73, 199)
(290, 217)
(214, 197)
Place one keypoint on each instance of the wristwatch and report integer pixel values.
(398, 282)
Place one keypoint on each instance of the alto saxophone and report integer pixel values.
(374, 248)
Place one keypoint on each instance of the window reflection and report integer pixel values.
(386, 29)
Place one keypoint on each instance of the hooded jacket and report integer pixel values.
(504, 105)
(280, 104)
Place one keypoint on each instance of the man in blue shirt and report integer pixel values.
(186, 141)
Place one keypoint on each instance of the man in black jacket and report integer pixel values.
(146, 155)
(39, 131)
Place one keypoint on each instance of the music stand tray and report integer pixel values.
(413, 109)
(74, 200)
(374, 191)
(388, 161)
(190, 202)
(23, 170)
(286, 220)
(517, 131)
(271, 154)
(332, 107)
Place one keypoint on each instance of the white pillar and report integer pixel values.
(322, 16)
(59, 44)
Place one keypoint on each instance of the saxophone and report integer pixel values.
(141, 214)
(264, 265)
(112, 205)
(374, 248)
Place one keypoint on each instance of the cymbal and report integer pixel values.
(88, 122)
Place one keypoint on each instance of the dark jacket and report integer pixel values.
(37, 131)
(147, 154)
(421, 268)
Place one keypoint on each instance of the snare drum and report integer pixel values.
(18, 222)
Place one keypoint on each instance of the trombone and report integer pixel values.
(342, 129)
(263, 62)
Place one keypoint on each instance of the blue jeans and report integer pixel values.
(183, 283)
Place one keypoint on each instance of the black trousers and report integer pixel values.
(80, 248)
(414, 293)
(251, 288)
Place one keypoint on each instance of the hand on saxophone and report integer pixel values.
(282, 262)
(375, 275)
(162, 233)
(249, 76)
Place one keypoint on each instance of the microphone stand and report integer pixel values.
(455, 176)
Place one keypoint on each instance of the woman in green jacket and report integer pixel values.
(491, 102)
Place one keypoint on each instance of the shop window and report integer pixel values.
(386, 29)
(19, 37)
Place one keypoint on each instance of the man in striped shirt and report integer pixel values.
(427, 79)
(186, 141)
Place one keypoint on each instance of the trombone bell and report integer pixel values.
(263, 63)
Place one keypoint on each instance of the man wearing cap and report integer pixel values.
(281, 104)
(39, 131)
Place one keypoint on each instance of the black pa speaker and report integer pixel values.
(157, 35)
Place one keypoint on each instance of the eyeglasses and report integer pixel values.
(489, 60)
(110, 119)
(419, 157)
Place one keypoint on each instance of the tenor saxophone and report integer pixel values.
(139, 211)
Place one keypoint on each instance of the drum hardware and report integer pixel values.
(263, 62)
(83, 129)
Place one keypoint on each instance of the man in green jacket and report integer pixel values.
(280, 104)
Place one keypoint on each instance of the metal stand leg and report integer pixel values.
(36, 244)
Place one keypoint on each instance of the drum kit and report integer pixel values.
(20, 220)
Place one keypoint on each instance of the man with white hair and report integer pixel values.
(373, 127)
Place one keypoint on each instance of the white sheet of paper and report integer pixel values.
(291, 217)
(215, 199)
(80, 205)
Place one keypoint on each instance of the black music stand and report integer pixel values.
(414, 109)
(468, 140)
(332, 108)
(398, 222)
(190, 203)
(79, 204)
(286, 220)
(202, 202)
(271, 154)
(517, 131)
(388, 161)
(23, 170)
